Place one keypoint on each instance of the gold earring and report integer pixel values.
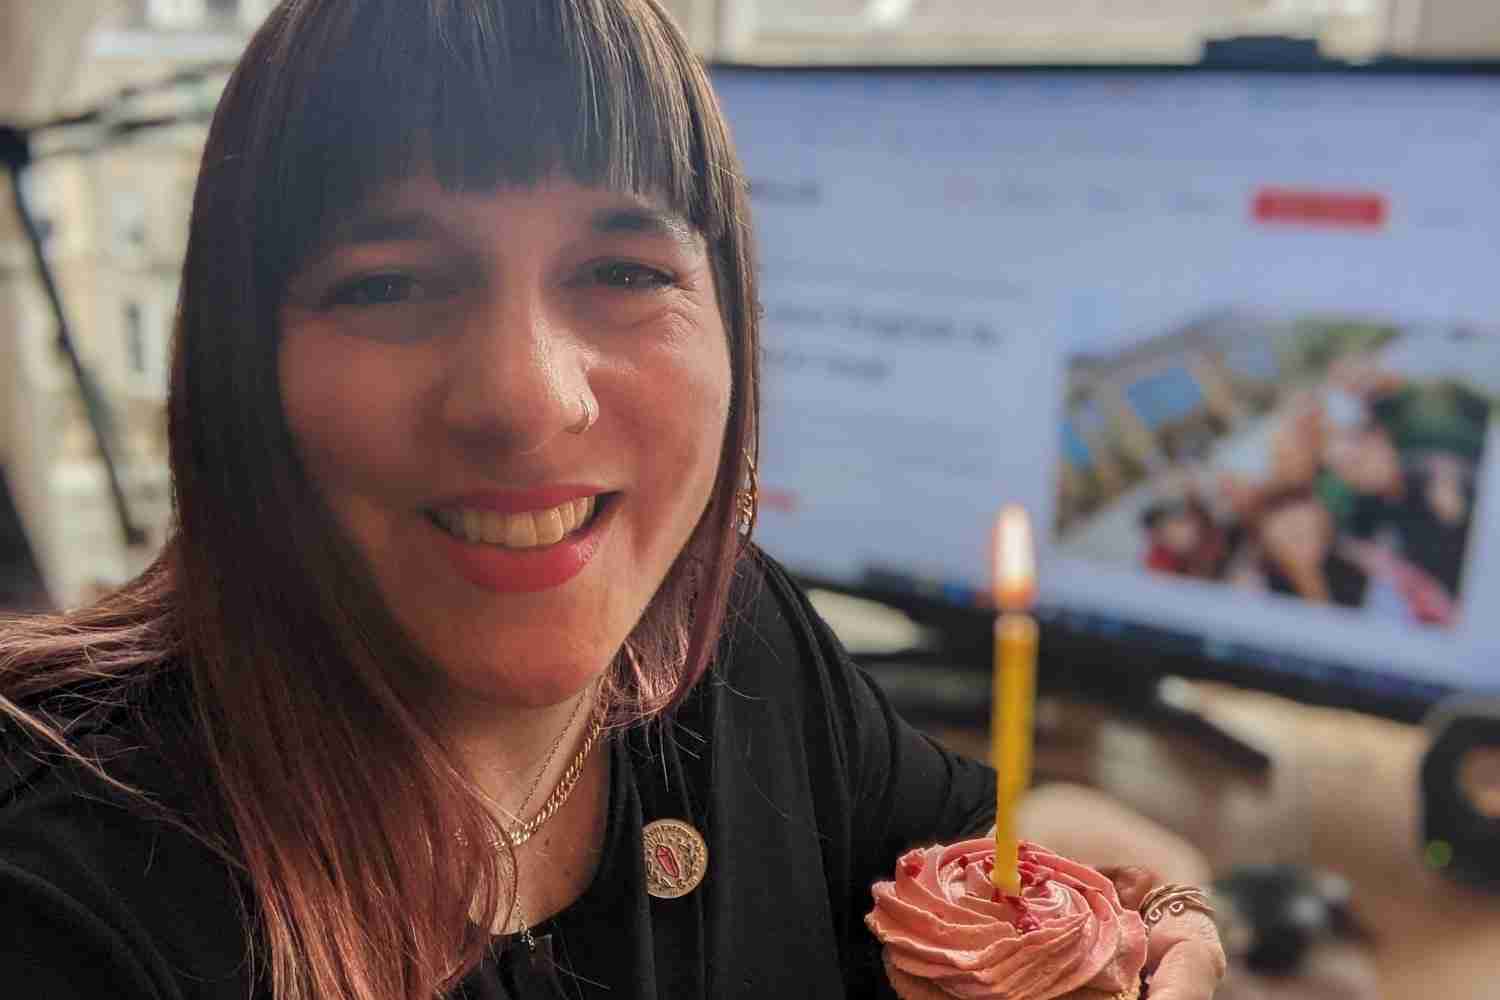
(747, 500)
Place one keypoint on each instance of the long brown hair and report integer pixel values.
(332, 795)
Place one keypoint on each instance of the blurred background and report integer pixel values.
(1207, 285)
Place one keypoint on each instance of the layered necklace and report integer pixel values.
(521, 833)
(564, 787)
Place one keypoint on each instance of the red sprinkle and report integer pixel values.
(1024, 922)
(911, 867)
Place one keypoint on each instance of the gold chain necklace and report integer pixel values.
(564, 786)
(523, 929)
(551, 754)
(560, 793)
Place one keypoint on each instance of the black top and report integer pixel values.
(787, 758)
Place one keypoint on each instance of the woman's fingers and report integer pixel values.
(1132, 882)
(1191, 970)
(1189, 926)
(1185, 958)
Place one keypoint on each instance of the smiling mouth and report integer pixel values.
(532, 529)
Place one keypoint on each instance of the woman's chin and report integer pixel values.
(536, 686)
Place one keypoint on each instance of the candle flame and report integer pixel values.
(1014, 560)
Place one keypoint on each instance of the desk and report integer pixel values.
(1342, 795)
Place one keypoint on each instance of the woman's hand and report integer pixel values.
(1185, 959)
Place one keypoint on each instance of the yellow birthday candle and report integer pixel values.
(1014, 692)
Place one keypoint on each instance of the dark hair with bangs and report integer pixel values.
(578, 87)
(296, 669)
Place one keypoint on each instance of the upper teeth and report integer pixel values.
(526, 530)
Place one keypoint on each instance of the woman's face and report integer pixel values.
(437, 358)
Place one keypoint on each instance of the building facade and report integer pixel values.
(113, 214)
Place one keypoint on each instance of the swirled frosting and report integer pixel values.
(943, 921)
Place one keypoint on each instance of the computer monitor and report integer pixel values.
(1231, 336)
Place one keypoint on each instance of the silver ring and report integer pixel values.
(590, 414)
(1173, 900)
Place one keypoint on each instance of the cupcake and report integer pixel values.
(949, 933)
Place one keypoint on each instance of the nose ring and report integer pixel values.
(590, 414)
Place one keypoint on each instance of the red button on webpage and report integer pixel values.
(781, 501)
(1305, 207)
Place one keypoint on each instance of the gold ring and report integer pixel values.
(1172, 900)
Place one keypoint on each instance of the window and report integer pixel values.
(1165, 397)
(253, 12)
(129, 210)
(35, 191)
(1074, 448)
(174, 13)
(135, 339)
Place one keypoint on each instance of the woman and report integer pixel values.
(462, 422)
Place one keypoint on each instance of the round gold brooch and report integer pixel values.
(676, 858)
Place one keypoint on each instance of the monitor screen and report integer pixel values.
(1232, 337)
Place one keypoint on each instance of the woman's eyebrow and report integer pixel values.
(394, 225)
(387, 227)
(644, 219)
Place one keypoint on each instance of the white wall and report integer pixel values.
(1063, 30)
(1445, 27)
(41, 48)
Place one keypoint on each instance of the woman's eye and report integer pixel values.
(630, 276)
(377, 290)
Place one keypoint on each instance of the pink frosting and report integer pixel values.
(942, 921)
